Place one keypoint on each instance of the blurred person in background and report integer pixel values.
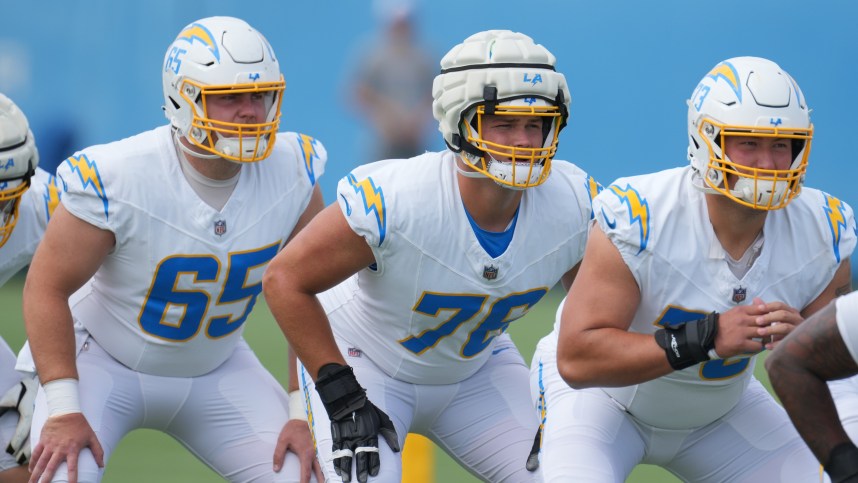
(391, 83)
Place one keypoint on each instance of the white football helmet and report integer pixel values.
(217, 56)
(748, 96)
(502, 73)
(18, 161)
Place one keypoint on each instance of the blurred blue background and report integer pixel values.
(88, 72)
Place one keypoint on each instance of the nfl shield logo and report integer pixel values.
(739, 294)
(220, 227)
(490, 272)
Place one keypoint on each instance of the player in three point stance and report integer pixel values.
(400, 317)
(175, 227)
(688, 274)
(28, 196)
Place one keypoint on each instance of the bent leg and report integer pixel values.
(489, 424)
(232, 418)
(587, 437)
(755, 441)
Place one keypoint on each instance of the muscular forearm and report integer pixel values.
(51, 333)
(305, 325)
(603, 358)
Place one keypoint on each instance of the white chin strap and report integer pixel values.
(228, 146)
(503, 170)
(232, 147)
(767, 193)
(466, 173)
(190, 151)
(744, 190)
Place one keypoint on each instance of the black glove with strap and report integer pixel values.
(689, 343)
(355, 423)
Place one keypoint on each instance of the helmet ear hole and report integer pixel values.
(797, 146)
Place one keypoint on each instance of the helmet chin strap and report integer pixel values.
(231, 146)
(190, 151)
(465, 173)
(744, 189)
(765, 190)
(228, 146)
(506, 169)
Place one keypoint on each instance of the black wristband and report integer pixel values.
(339, 390)
(689, 343)
(842, 465)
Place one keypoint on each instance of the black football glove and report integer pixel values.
(355, 423)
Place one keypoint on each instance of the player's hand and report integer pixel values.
(20, 398)
(357, 435)
(63, 437)
(355, 423)
(737, 330)
(295, 437)
(778, 321)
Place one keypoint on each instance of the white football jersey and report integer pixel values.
(37, 205)
(659, 224)
(172, 296)
(847, 322)
(434, 299)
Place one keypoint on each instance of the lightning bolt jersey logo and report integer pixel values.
(638, 211)
(52, 197)
(373, 201)
(199, 33)
(308, 150)
(87, 172)
(836, 221)
(593, 188)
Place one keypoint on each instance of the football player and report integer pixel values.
(688, 274)
(400, 319)
(28, 196)
(175, 227)
(823, 348)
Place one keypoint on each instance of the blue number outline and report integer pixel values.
(466, 307)
(196, 302)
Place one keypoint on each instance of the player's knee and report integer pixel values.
(291, 471)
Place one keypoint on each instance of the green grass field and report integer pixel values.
(147, 456)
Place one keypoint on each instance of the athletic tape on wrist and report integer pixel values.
(296, 405)
(62, 396)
